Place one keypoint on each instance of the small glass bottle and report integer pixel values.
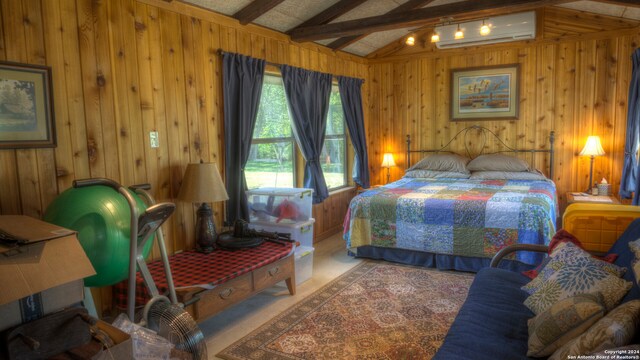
(594, 189)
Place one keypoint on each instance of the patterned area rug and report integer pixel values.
(374, 311)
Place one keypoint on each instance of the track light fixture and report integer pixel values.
(459, 34)
(484, 29)
(411, 40)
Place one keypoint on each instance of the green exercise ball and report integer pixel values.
(101, 216)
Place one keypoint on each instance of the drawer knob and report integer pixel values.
(224, 294)
(273, 271)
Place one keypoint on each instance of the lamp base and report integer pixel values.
(590, 184)
(205, 230)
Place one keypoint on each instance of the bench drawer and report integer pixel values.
(268, 275)
(224, 295)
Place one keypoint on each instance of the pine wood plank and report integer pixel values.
(53, 30)
(91, 89)
(74, 94)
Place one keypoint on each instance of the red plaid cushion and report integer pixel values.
(192, 268)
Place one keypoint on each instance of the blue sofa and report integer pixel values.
(492, 323)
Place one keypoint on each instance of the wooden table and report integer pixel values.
(591, 199)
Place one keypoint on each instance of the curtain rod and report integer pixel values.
(222, 52)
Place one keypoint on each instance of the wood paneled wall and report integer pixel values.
(123, 68)
(576, 87)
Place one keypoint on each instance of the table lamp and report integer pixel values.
(592, 148)
(387, 162)
(202, 184)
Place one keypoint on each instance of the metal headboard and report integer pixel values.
(485, 131)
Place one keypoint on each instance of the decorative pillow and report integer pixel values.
(636, 270)
(533, 273)
(616, 329)
(560, 237)
(432, 174)
(635, 247)
(507, 175)
(567, 253)
(497, 162)
(564, 321)
(583, 276)
(443, 162)
(563, 236)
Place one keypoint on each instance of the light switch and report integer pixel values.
(153, 139)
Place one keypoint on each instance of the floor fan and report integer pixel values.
(162, 314)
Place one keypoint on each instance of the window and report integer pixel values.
(273, 149)
(271, 160)
(334, 155)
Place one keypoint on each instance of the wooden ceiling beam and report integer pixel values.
(331, 13)
(348, 40)
(417, 17)
(253, 11)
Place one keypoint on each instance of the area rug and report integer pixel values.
(376, 310)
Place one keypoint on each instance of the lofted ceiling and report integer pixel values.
(364, 27)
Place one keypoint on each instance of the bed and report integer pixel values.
(454, 221)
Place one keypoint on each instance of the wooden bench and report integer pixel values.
(210, 283)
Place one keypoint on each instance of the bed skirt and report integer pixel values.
(439, 261)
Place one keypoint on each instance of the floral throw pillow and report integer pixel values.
(564, 321)
(582, 276)
(614, 330)
(567, 254)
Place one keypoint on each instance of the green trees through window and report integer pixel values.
(273, 149)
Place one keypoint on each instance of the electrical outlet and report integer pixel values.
(153, 139)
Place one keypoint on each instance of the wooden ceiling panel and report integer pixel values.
(343, 42)
(417, 17)
(255, 10)
(342, 24)
(565, 22)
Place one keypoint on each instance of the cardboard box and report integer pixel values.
(49, 256)
(123, 348)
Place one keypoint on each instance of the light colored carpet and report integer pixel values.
(376, 310)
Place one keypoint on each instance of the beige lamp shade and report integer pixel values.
(592, 147)
(387, 160)
(202, 183)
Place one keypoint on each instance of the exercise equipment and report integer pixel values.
(117, 229)
(100, 215)
(166, 317)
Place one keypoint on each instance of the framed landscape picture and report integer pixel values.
(485, 93)
(26, 106)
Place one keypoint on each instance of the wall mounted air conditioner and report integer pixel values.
(514, 27)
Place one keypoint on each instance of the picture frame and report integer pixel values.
(485, 93)
(26, 106)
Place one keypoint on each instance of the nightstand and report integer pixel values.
(591, 199)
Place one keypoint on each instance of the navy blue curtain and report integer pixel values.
(308, 95)
(630, 171)
(242, 86)
(351, 95)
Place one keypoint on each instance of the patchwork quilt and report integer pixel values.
(461, 217)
